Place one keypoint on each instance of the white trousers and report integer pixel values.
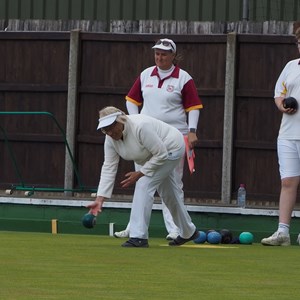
(164, 181)
(169, 223)
(168, 219)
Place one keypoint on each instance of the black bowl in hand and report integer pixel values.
(290, 102)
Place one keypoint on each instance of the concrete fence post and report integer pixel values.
(228, 118)
(71, 109)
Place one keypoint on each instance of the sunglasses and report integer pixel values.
(165, 43)
(108, 129)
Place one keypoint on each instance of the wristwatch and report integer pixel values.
(193, 130)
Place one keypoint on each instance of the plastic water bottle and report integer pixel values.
(241, 196)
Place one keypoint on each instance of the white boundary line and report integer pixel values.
(127, 205)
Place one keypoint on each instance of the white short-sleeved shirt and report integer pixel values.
(167, 99)
(288, 85)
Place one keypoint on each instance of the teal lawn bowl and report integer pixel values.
(89, 220)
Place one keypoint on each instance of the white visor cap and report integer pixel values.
(165, 44)
(108, 120)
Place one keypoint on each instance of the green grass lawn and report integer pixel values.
(65, 266)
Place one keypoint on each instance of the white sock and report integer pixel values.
(284, 228)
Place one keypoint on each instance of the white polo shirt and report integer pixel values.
(288, 85)
(167, 99)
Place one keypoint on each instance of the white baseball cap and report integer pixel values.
(108, 119)
(165, 44)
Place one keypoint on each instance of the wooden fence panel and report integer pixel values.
(34, 77)
(257, 121)
(105, 80)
